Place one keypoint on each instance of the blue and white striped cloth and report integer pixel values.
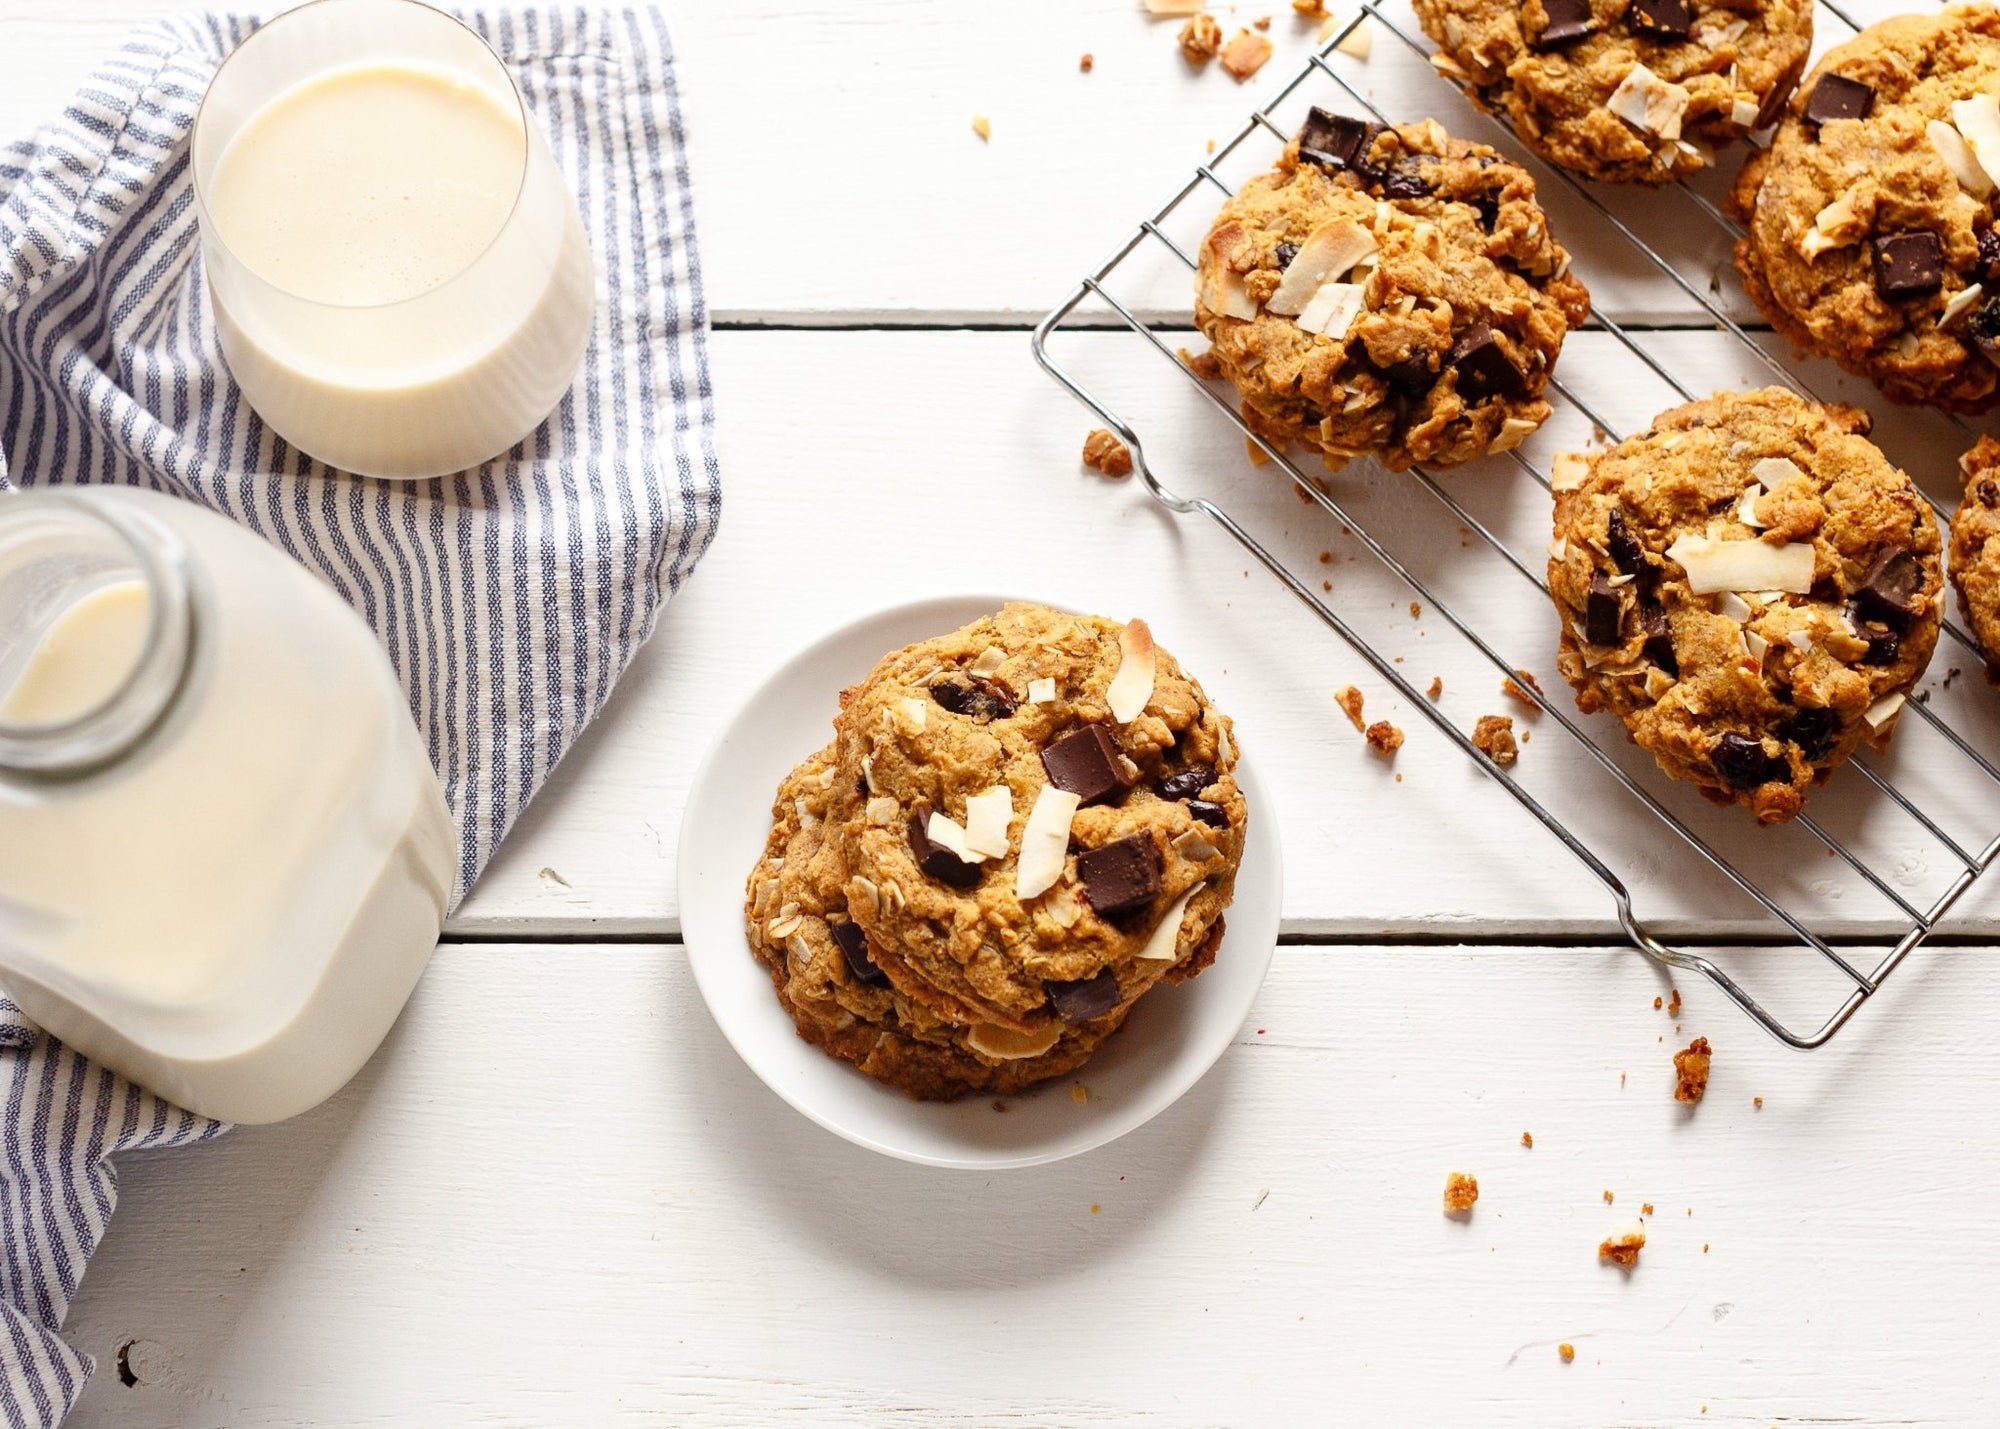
(510, 598)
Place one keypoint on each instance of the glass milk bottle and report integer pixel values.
(226, 854)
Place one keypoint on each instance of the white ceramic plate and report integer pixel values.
(1172, 1037)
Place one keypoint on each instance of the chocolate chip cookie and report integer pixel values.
(1392, 291)
(1019, 829)
(1750, 586)
(1627, 91)
(1870, 218)
(1975, 548)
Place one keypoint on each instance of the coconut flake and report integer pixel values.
(1835, 226)
(915, 712)
(947, 833)
(1132, 686)
(1559, 549)
(990, 660)
(1731, 604)
(1044, 842)
(1041, 691)
(1746, 506)
(1958, 157)
(1222, 291)
(1978, 122)
(1193, 845)
(1358, 42)
(882, 811)
(1333, 309)
(1743, 113)
(1883, 710)
(1755, 645)
(1567, 471)
(1003, 1044)
(1326, 255)
(1958, 303)
(1771, 470)
(987, 816)
(1799, 640)
(1161, 946)
(1713, 565)
(1645, 101)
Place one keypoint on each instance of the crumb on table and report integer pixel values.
(1200, 38)
(1437, 687)
(1245, 54)
(1349, 699)
(1258, 456)
(1528, 1139)
(1608, 1198)
(1645, 1208)
(1493, 737)
(1087, 63)
(1622, 1246)
(1262, 22)
(1311, 9)
(1384, 738)
(1691, 1071)
(1103, 451)
(1674, 1002)
(1567, 1351)
(982, 126)
(1461, 1189)
(1757, 1102)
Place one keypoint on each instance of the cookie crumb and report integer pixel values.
(1262, 24)
(1326, 585)
(1607, 1198)
(1528, 1139)
(999, 1105)
(1311, 9)
(1461, 1189)
(1102, 451)
(1493, 737)
(982, 126)
(1384, 737)
(1326, 558)
(1079, 1094)
(1258, 456)
(1645, 1208)
(1658, 1003)
(1416, 610)
(1349, 699)
(1674, 1002)
(1757, 1102)
(1165, 8)
(1200, 38)
(1094, 1208)
(1622, 1246)
(1358, 43)
(1245, 54)
(1567, 1351)
(1518, 687)
(1087, 63)
(1691, 1069)
(1437, 687)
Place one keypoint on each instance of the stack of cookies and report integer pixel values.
(1018, 829)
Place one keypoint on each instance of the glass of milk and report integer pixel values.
(227, 857)
(396, 265)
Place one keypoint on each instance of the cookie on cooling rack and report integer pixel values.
(1388, 291)
(1020, 828)
(1750, 586)
(1870, 235)
(1627, 91)
(1975, 548)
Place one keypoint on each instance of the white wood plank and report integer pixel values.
(839, 178)
(558, 1198)
(965, 476)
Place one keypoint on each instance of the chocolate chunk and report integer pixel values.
(1120, 876)
(1601, 612)
(1812, 730)
(1989, 256)
(1214, 815)
(1626, 552)
(854, 945)
(1892, 590)
(1086, 764)
(1286, 253)
(1988, 491)
(937, 860)
(1186, 784)
(1883, 643)
(1412, 375)
(1743, 764)
(1484, 369)
(1661, 19)
(1405, 179)
(1569, 21)
(1983, 327)
(1083, 999)
(1659, 646)
(975, 699)
(1337, 141)
(1838, 97)
(1908, 265)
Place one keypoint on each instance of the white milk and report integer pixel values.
(86, 655)
(234, 912)
(399, 277)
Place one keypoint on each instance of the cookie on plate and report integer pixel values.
(1388, 291)
(1975, 548)
(1869, 220)
(1627, 91)
(1750, 586)
(1019, 829)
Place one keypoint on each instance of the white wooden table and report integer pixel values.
(556, 1197)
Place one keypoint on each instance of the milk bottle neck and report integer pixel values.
(97, 631)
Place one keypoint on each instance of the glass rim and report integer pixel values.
(212, 231)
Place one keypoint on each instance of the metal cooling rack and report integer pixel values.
(1914, 924)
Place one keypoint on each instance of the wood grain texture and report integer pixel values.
(558, 1198)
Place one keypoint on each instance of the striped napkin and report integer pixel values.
(509, 598)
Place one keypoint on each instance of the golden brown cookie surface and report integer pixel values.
(1975, 547)
(1393, 292)
(1750, 586)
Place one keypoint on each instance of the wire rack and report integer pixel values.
(1963, 847)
